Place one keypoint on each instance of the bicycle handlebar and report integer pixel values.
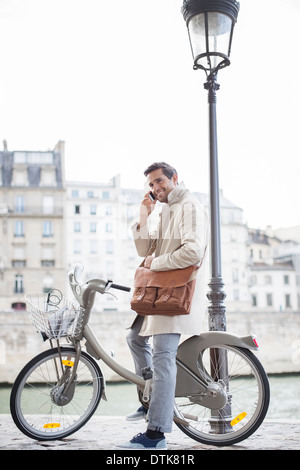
(117, 286)
(82, 290)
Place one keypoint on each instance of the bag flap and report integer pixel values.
(144, 277)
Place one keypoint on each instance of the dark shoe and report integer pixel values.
(141, 413)
(141, 442)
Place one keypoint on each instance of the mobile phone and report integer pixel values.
(151, 196)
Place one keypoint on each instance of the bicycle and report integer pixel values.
(222, 391)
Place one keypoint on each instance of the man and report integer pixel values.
(179, 241)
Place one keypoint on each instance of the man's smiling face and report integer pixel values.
(161, 185)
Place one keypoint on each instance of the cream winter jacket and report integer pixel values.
(180, 240)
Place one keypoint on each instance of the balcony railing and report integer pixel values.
(30, 211)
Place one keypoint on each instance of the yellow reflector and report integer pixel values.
(238, 419)
(51, 425)
(68, 363)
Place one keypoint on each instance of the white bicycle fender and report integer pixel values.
(215, 338)
(188, 352)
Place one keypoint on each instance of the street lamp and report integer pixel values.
(210, 26)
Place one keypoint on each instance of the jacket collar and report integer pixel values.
(177, 194)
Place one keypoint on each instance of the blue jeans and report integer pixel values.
(162, 359)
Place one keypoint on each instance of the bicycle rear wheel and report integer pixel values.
(246, 393)
(32, 402)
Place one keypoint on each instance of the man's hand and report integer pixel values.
(146, 208)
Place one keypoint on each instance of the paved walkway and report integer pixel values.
(104, 432)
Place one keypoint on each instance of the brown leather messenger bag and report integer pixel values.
(163, 292)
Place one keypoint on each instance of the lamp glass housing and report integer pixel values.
(210, 37)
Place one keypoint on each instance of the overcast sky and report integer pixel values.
(114, 80)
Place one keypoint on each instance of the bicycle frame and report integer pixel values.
(94, 348)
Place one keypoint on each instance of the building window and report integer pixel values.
(48, 205)
(47, 229)
(108, 210)
(268, 279)
(18, 284)
(18, 263)
(47, 283)
(269, 300)
(33, 158)
(286, 279)
(109, 247)
(48, 176)
(19, 177)
(235, 275)
(288, 301)
(18, 305)
(77, 246)
(110, 269)
(19, 228)
(90, 194)
(77, 209)
(108, 227)
(93, 227)
(236, 295)
(93, 209)
(254, 300)
(105, 194)
(47, 253)
(48, 263)
(19, 204)
(77, 227)
(93, 246)
(74, 194)
(233, 236)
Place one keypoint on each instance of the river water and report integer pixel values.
(122, 398)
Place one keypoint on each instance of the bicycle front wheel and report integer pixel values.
(33, 406)
(237, 376)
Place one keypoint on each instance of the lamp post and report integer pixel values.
(210, 26)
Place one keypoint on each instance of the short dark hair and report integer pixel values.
(167, 169)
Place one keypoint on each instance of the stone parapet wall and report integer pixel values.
(278, 336)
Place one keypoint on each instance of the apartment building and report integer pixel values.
(99, 238)
(272, 276)
(32, 203)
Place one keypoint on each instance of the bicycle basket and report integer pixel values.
(54, 321)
